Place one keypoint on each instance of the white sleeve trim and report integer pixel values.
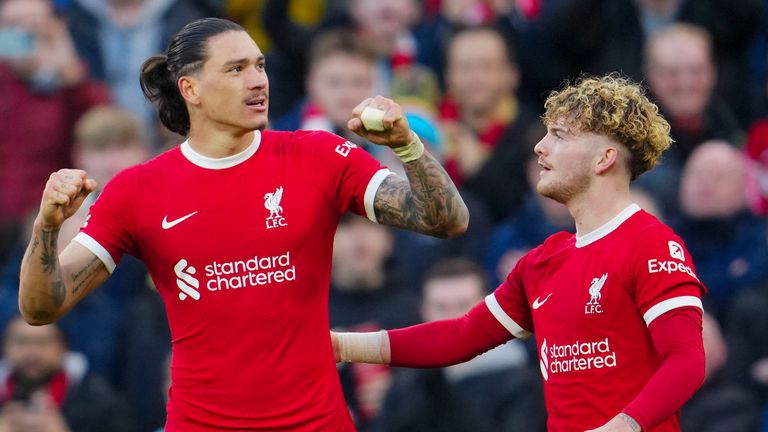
(370, 192)
(92, 245)
(504, 319)
(669, 304)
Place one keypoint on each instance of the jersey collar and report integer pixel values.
(221, 163)
(608, 227)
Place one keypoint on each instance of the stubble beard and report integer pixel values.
(564, 190)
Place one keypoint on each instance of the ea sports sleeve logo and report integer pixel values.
(187, 283)
(676, 251)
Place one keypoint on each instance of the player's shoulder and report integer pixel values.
(553, 245)
(646, 227)
(302, 137)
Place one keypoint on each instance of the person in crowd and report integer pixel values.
(721, 405)
(729, 242)
(45, 89)
(483, 121)
(47, 388)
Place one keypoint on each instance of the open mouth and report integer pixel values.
(256, 102)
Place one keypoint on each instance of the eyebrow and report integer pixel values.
(259, 59)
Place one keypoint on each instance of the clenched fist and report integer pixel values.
(63, 195)
(396, 133)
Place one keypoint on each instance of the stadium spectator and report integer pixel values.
(496, 391)
(728, 241)
(236, 228)
(615, 330)
(44, 91)
(114, 37)
(368, 293)
(483, 121)
(385, 25)
(341, 73)
(46, 388)
(681, 75)
(601, 36)
(721, 405)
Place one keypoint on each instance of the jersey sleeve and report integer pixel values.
(509, 303)
(105, 232)
(350, 175)
(664, 276)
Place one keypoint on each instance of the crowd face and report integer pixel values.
(681, 73)
(232, 89)
(479, 73)
(712, 184)
(384, 20)
(450, 297)
(338, 83)
(361, 248)
(33, 352)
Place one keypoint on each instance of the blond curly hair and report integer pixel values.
(615, 107)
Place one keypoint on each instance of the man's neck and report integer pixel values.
(219, 144)
(597, 206)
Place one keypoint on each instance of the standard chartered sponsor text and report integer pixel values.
(581, 356)
(252, 272)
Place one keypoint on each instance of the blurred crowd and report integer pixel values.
(471, 76)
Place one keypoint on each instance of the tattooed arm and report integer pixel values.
(52, 283)
(427, 202)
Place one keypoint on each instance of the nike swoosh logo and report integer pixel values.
(537, 304)
(170, 224)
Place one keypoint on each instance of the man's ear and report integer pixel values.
(188, 89)
(609, 158)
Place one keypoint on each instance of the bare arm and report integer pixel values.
(51, 283)
(428, 201)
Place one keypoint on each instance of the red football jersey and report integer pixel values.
(240, 251)
(589, 301)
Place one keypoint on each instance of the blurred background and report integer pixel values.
(472, 76)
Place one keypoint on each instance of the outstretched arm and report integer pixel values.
(428, 201)
(52, 283)
(432, 344)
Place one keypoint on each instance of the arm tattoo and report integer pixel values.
(49, 256)
(59, 292)
(35, 244)
(428, 203)
(84, 276)
(633, 424)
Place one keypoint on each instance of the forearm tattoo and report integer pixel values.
(49, 256)
(633, 424)
(427, 203)
(84, 276)
(49, 260)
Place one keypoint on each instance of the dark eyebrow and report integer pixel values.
(243, 60)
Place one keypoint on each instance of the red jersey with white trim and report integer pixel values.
(240, 251)
(589, 301)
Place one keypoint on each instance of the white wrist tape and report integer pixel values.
(361, 347)
(411, 151)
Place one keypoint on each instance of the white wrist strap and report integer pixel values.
(361, 347)
(411, 151)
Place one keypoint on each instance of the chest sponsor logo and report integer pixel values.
(593, 306)
(170, 224)
(676, 251)
(272, 203)
(537, 304)
(577, 356)
(222, 276)
(186, 281)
